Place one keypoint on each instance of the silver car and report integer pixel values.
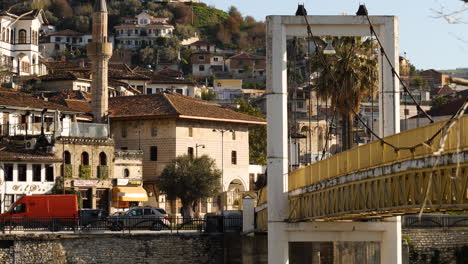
(144, 217)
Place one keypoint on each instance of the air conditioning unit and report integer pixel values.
(30, 143)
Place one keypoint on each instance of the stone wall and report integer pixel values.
(437, 245)
(133, 248)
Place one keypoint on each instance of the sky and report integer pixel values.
(429, 42)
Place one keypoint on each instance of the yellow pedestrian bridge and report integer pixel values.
(375, 180)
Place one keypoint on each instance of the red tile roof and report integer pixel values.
(19, 99)
(172, 105)
(246, 56)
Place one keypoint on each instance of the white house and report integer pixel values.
(19, 42)
(142, 30)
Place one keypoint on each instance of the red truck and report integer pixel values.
(52, 211)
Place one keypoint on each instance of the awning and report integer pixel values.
(130, 194)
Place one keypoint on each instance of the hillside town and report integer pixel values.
(100, 98)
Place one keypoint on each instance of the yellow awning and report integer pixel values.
(130, 194)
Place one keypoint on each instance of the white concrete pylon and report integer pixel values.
(278, 28)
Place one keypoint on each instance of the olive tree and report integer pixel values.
(190, 179)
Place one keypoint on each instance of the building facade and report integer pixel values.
(141, 31)
(19, 42)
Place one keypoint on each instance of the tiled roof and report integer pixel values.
(66, 32)
(442, 91)
(164, 105)
(12, 153)
(447, 109)
(66, 65)
(163, 79)
(246, 56)
(170, 73)
(65, 75)
(19, 99)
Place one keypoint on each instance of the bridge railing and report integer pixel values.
(376, 154)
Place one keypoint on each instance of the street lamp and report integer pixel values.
(222, 131)
(196, 149)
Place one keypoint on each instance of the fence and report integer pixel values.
(434, 221)
(211, 223)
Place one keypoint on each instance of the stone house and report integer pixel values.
(206, 63)
(246, 65)
(202, 46)
(166, 125)
(435, 78)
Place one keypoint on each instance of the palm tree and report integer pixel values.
(347, 78)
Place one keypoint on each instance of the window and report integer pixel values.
(300, 105)
(9, 198)
(201, 57)
(234, 157)
(36, 172)
(67, 157)
(154, 131)
(201, 67)
(148, 211)
(85, 158)
(190, 152)
(25, 66)
(190, 131)
(153, 153)
(19, 208)
(140, 87)
(124, 148)
(126, 173)
(215, 59)
(102, 159)
(8, 172)
(124, 131)
(22, 36)
(49, 173)
(22, 172)
(180, 91)
(149, 90)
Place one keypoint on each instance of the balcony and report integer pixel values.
(85, 172)
(103, 172)
(67, 170)
(87, 130)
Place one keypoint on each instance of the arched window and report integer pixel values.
(102, 159)
(126, 173)
(67, 157)
(22, 36)
(85, 158)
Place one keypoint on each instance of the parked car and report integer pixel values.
(92, 217)
(52, 211)
(143, 217)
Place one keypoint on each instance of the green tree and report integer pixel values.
(147, 56)
(351, 74)
(208, 95)
(438, 102)
(257, 134)
(190, 179)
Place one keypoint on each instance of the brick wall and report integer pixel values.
(437, 245)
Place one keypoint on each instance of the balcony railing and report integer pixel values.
(103, 172)
(88, 130)
(67, 170)
(85, 172)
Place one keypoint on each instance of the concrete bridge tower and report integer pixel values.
(99, 51)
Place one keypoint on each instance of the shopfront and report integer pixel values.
(94, 194)
(128, 193)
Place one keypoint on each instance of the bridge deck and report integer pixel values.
(373, 180)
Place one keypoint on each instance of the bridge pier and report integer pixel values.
(387, 233)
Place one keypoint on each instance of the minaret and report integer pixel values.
(99, 51)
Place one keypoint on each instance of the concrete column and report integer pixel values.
(277, 149)
(248, 214)
(390, 247)
(389, 93)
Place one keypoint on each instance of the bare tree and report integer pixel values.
(456, 16)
